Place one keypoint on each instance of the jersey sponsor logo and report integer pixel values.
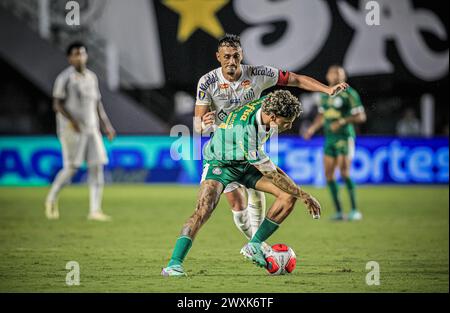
(235, 101)
(338, 102)
(246, 84)
(250, 95)
(250, 109)
(222, 115)
(209, 80)
(332, 114)
(224, 86)
(201, 95)
(262, 72)
(217, 171)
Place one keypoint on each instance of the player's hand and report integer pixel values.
(313, 206)
(336, 125)
(308, 134)
(110, 133)
(75, 126)
(336, 89)
(209, 118)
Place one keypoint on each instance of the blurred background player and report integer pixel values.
(79, 115)
(337, 114)
(231, 86)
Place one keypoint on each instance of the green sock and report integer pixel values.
(333, 186)
(265, 230)
(180, 251)
(351, 191)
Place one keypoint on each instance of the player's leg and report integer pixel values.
(280, 209)
(208, 197)
(344, 162)
(330, 164)
(256, 207)
(63, 177)
(236, 198)
(96, 159)
(72, 146)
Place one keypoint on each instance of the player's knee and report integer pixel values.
(345, 171)
(71, 170)
(237, 205)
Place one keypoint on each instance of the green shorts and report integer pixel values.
(242, 173)
(339, 146)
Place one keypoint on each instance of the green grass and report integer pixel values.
(405, 229)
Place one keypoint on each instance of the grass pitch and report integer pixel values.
(405, 230)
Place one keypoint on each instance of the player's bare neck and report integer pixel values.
(81, 69)
(232, 78)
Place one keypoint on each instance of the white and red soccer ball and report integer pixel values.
(281, 259)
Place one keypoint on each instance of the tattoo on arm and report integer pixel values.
(285, 183)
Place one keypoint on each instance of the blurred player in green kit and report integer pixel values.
(337, 114)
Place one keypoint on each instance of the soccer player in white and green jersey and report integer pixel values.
(235, 154)
(229, 87)
(337, 115)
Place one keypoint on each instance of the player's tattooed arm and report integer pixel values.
(104, 121)
(285, 183)
(59, 106)
(311, 84)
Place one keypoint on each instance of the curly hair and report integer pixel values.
(229, 40)
(282, 103)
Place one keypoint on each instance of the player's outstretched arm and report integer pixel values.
(285, 183)
(311, 84)
(104, 122)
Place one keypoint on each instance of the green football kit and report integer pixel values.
(346, 103)
(236, 146)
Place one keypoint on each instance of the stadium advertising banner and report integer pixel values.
(142, 159)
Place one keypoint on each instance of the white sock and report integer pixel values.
(243, 222)
(256, 207)
(96, 183)
(62, 178)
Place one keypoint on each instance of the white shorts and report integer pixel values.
(80, 147)
(232, 187)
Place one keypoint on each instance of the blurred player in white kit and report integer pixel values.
(79, 116)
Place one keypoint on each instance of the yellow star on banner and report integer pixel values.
(197, 14)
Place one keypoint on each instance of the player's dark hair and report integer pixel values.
(282, 103)
(229, 40)
(75, 45)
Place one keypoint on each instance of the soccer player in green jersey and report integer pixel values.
(235, 154)
(337, 115)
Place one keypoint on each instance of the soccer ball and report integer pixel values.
(280, 259)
